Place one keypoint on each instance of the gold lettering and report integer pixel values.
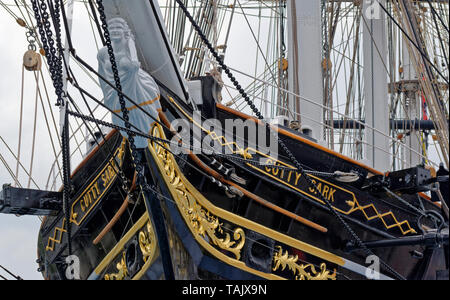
(311, 189)
(331, 195)
(326, 188)
(289, 177)
(275, 171)
(269, 162)
(82, 206)
(297, 177)
(87, 200)
(105, 179)
(319, 188)
(97, 189)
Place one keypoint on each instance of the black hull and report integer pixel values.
(212, 235)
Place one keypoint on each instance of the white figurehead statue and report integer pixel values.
(136, 83)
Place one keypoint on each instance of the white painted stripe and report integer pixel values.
(349, 265)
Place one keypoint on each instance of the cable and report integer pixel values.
(413, 43)
(224, 228)
(435, 13)
(281, 143)
(154, 139)
(10, 273)
(94, 14)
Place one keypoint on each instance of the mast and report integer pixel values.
(411, 88)
(376, 85)
(428, 74)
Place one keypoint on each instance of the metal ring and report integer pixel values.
(430, 214)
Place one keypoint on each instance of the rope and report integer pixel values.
(334, 111)
(249, 239)
(20, 164)
(20, 122)
(54, 60)
(424, 56)
(10, 171)
(281, 143)
(33, 143)
(355, 139)
(435, 13)
(46, 121)
(10, 273)
(339, 176)
(159, 141)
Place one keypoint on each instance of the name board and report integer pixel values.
(89, 198)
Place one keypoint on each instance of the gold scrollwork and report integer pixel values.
(122, 270)
(301, 271)
(201, 221)
(147, 242)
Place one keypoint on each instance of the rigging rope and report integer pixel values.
(33, 143)
(137, 159)
(10, 273)
(281, 143)
(244, 97)
(54, 61)
(8, 168)
(424, 56)
(20, 122)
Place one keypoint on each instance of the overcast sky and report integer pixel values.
(18, 236)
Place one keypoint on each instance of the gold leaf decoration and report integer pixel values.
(300, 271)
(201, 221)
(147, 242)
(122, 270)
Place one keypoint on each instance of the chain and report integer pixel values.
(155, 206)
(54, 61)
(31, 38)
(55, 11)
(160, 142)
(126, 118)
(437, 217)
(419, 211)
(291, 157)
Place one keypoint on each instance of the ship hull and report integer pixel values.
(187, 227)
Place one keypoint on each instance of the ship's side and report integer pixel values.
(270, 225)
